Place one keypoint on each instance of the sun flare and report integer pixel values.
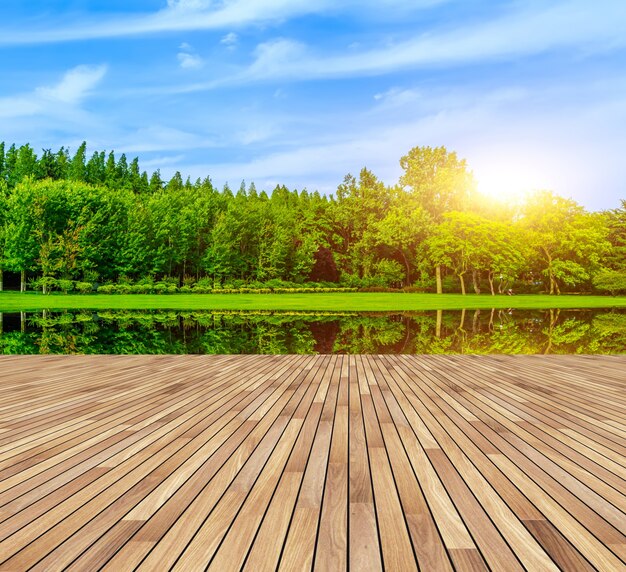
(510, 185)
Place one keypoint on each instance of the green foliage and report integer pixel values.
(616, 221)
(202, 287)
(569, 244)
(438, 178)
(66, 219)
(84, 287)
(610, 281)
(389, 272)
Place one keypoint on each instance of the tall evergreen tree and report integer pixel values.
(156, 183)
(78, 168)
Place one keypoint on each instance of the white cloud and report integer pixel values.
(190, 61)
(182, 15)
(188, 5)
(187, 57)
(396, 97)
(500, 128)
(276, 57)
(162, 138)
(230, 40)
(74, 86)
(526, 31)
(161, 161)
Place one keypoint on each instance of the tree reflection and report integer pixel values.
(442, 332)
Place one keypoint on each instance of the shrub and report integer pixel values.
(610, 281)
(47, 283)
(204, 282)
(107, 289)
(413, 289)
(161, 287)
(84, 287)
(389, 272)
(141, 288)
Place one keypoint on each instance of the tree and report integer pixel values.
(359, 205)
(440, 181)
(403, 229)
(569, 243)
(47, 166)
(111, 174)
(324, 268)
(450, 245)
(4, 197)
(95, 170)
(610, 281)
(21, 251)
(156, 183)
(78, 168)
(616, 221)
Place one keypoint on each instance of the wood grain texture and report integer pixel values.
(312, 463)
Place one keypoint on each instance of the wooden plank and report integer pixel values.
(309, 462)
(332, 544)
(363, 543)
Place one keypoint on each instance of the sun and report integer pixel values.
(505, 183)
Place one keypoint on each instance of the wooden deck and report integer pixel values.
(324, 462)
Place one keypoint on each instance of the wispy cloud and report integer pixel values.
(162, 138)
(179, 15)
(187, 15)
(188, 5)
(77, 84)
(396, 97)
(230, 40)
(526, 31)
(497, 127)
(188, 58)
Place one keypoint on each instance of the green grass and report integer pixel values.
(31, 301)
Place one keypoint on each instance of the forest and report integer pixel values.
(73, 223)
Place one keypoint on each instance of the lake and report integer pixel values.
(229, 332)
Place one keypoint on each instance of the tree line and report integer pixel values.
(69, 219)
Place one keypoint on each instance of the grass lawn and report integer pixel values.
(31, 301)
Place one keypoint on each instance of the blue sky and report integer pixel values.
(301, 92)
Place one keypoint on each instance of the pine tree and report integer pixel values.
(110, 172)
(95, 170)
(78, 170)
(47, 166)
(156, 183)
(2, 173)
(62, 161)
(123, 173)
(176, 182)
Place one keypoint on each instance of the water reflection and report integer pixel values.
(466, 331)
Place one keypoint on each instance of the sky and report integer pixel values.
(301, 92)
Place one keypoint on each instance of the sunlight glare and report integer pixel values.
(508, 184)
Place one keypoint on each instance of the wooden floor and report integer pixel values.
(324, 462)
